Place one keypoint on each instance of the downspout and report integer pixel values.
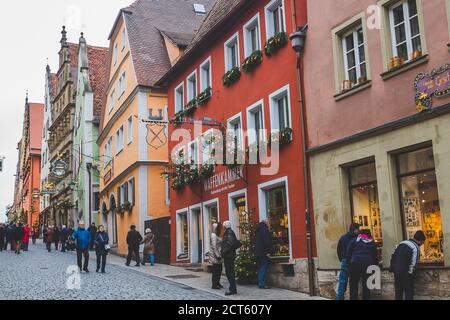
(305, 168)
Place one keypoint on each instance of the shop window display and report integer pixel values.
(183, 239)
(420, 202)
(212, 217)
(279, 218)
(364, 201)
(241, 207)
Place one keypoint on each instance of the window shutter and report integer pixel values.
(119, 202)
(132, 192)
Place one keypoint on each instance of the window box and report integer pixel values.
(204, 96)
(126, 206)
(206, 171)
(251, 62)
(178, 185)
(190, 108)
(405, 66)
(283, 137)
(178, 117)
(275, 43)
(192, 176)
(231, 76)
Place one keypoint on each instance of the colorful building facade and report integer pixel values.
(90, 92)
(378, 131)
(222, 81)
(132, 190)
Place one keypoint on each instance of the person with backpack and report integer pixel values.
(361, 254)
(230, 244)
(342, 253)
(149, 247)
(404, 263)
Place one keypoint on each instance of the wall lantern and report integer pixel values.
(298, 39)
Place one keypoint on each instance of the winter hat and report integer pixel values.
(227, 224)
(420, 236)
(148, 230)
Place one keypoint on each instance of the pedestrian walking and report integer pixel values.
(48, 238)
(404, 263)
(2, 236)
(18, 236)
(101, 243)
(26, 238)
(263, 250)
(361, 253)
(149, 247)
(63, 238)
(342, 254)
(11, 233)
(34, 235)
(134, 239)
(230, 244)
(70, 242)
(56, 237)
(215, 255)
(92, 230)
(82, 238)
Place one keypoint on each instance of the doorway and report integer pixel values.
(196, 236)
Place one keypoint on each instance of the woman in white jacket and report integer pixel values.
(215, 256)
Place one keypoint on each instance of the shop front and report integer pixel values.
(393, 183)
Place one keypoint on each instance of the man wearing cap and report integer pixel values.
(404, 263)
(83, 238)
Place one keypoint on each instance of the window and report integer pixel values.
(280, 110)
(96, 201)
(405, 30)
(205, 75)
(124, 38)
(131, 191)
(275, 20)
(208, 149)
(232, 59)
(130, 129)
(354, 56)
(235, 137)
(212, 216)
(116, 53)
(193, 154)
(192, 87)
(255, 123)
(108, 151)
(119, 140)
(182, 236)
(112, 99)
(179, 98)
(252, 36)
(122, 84)
(420, 201)
(199, 9)
(364, 201)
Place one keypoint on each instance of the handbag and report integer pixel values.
(107, 246)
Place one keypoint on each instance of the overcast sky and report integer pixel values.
(30, 33)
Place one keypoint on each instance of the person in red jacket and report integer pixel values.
(26, 238)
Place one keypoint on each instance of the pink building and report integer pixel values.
(376, 81)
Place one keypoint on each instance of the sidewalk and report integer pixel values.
(202, 281)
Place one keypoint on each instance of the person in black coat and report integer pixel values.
(404, 263)
(2, 237)
(134, 239)
(263, 250)
(361, 253)
(92, 230)
(18, 236)
(342, 253)
(101, 240)
(230, 244)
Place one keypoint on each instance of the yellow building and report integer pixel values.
(144, 42)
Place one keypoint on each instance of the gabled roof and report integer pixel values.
(97, 56)
(145, 19)
(222, 13)
(181, 40)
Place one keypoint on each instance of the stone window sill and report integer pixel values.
(354, 90)
(405, 67)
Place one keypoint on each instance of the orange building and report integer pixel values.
(28, 187)
(144, 42)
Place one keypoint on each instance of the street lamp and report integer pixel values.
(298, 39)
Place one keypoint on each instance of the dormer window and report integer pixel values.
(199, 9)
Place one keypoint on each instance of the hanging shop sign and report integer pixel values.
(224, 181)
(429, 85)
(59, 168)
(49, 188)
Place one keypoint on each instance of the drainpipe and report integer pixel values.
(298, 43)
(89, 169)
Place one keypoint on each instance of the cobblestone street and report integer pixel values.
(40, 275)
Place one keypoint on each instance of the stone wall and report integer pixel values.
(431, 284)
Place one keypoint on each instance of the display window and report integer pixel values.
(212, 217)
(420, 202)
(279, 219)
(183, 237)
(241, 207)
(364, 201)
